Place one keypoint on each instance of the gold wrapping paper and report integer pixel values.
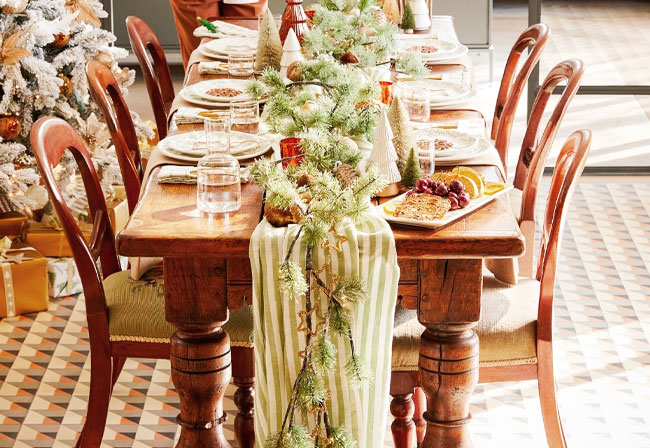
(118, 213)
(52, 242)
(12, 224)
(23, 286)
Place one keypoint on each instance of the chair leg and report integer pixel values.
(403, 427)
(420, 401)
(244, 423)
(548, 401)
(243, 376)
(118, 363)
(100, 396)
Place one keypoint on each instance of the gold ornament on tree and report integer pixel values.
(294, 72)
(105, 58)
(17, 7)
(66, 87)
(60, 40)
(9, 127)
(9, 52)
(86, 10)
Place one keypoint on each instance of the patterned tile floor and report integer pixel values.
(602, 352)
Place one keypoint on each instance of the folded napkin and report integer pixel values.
(185, 174)
(189, 115)
(213, 67)
(225, 29)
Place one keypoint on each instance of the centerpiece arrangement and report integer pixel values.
(327, 102)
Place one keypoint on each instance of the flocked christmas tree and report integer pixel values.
(400, 124)
(384, 157)
(269, 46)
(45, 47)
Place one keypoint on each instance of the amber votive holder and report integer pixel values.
(291, 147)
(387, 92)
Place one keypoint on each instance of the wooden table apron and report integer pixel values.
(207, 271)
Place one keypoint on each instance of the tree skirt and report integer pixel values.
(369, 253)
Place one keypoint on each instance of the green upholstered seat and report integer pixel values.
(506, 331)
(136, 311)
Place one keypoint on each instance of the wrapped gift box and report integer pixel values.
(12, 224)
(118, 213)
(63, 277)
(23, 283)
(50, 241)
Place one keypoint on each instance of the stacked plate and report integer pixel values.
(441, 93)
(219, 48)
(216, 92)
(191, 146)
(431, 48)
(225, 29)
(452, 146)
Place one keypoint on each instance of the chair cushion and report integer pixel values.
(515, 196)
(506, 331)
(136, 311)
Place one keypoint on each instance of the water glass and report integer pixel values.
(245, 116)
(426, 152)
(218, 188)
(417, 104)
(241, 62)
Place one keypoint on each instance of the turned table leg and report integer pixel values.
(449, 306)
(448, 375)
(196, 304)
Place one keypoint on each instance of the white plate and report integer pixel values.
(225, 29)
(187, 146)
(222, 47)
(450, 216)
(440, 93)
(197, 93)
(446, 49)
(464, 144)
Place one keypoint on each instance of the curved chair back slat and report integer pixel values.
(106, 93)
(512, 87)
(568, 168)
(50, 138)
(156, 76)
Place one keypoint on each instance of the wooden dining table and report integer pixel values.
(207, 271)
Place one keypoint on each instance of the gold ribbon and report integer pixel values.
(7, 277)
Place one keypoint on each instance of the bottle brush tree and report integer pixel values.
(408, 20)
(412, 172)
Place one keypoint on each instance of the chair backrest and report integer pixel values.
(568, 169)
(156, 77)
(106, 93)
(50, 137)
(534, 152)
(512, 87)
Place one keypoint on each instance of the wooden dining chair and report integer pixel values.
(105, 91)
(156, 75)
(126, 318)
(523, 198)
(513, 83)
(516, 327)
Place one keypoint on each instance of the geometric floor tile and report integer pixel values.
(602, 359)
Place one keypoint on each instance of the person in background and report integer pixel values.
(186, 12)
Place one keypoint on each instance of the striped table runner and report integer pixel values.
(369, 254)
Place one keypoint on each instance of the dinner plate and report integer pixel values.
(221, 47)
(464, 144)
(190, 146)
(445, 49)
(225, 29)
(450, 216)
(440, 93)
(198, 93)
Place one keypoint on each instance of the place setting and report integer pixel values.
(216, 93)
(431, 48)
(218, 29)
(439, 92)
(221, 48)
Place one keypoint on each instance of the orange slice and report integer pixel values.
(477, 177)
(390, 207)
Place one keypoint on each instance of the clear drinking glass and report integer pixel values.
(218, 188)
(241, 63)
(245, 116)
(417, 104)
(426, 152)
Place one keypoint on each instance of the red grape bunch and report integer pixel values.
(455, 192)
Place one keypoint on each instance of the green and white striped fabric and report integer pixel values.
(369, 254)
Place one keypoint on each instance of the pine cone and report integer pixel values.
(345, 174)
